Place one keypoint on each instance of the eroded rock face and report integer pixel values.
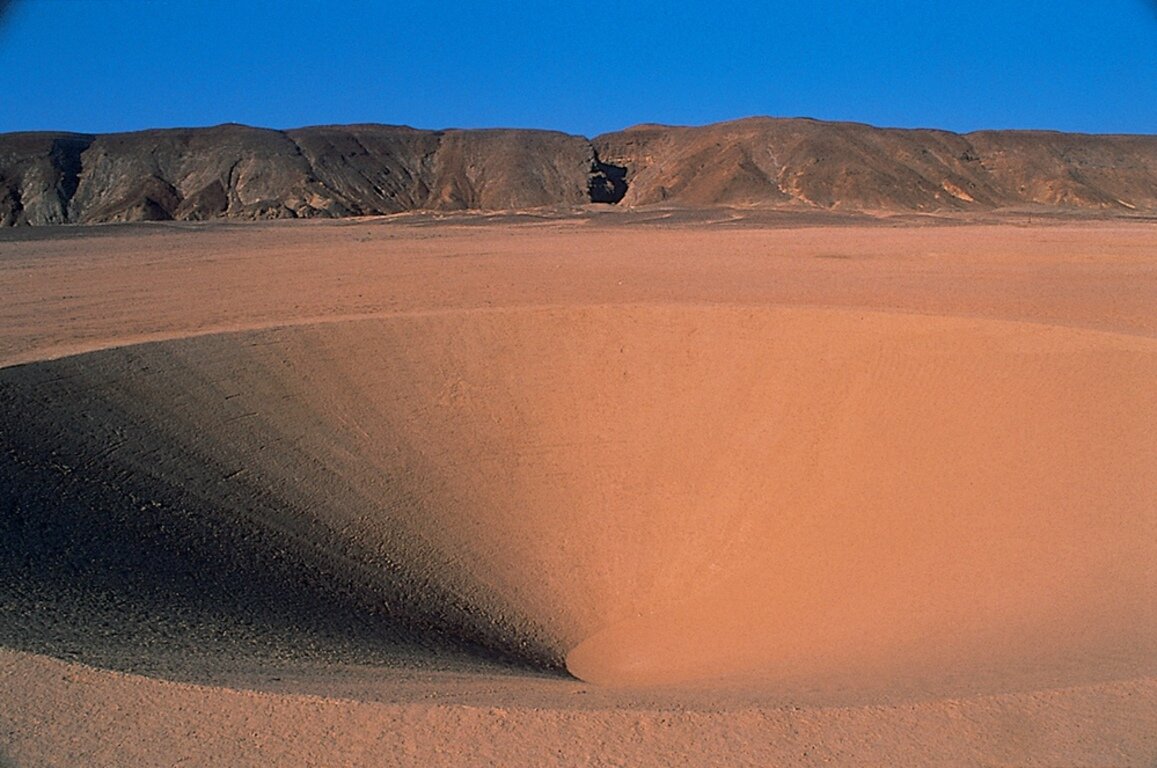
(239, 172)
(230, 170)
(851, 166)
(38, 176)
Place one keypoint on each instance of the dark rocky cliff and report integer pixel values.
(234, 171)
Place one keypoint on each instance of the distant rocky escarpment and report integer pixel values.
(234, 171)
(852, 166)
(239, 172)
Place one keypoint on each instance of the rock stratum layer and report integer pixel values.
(239, 172)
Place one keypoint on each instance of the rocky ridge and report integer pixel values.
(239, 172)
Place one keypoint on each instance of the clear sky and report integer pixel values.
(579, 67)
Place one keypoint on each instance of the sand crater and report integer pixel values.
(646, 494)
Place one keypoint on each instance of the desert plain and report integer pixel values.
(658, 487)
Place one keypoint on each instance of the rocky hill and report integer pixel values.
(857, 167)
(239, 172)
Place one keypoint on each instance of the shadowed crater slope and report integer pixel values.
(651, 495)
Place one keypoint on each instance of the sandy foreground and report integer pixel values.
(617, 490)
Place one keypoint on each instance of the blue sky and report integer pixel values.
(579, 67)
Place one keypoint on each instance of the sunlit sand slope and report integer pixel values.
(651, 495)
(58, 714)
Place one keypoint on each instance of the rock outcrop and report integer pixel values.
(239, 172)
(852, 166)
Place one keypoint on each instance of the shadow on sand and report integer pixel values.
(104, 562)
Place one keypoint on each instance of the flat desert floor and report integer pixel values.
(662, 488)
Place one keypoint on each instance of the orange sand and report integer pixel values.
(856, 494)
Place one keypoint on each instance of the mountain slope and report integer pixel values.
(858, 167)
(239, 172)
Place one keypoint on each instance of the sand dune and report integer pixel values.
(681, 502)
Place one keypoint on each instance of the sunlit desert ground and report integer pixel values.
(665, 488)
